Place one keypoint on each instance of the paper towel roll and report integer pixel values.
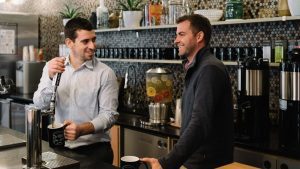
(31, 53)
(26, 54)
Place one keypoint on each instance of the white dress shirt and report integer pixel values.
(88, 94)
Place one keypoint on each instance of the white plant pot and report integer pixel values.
(132, 18)
(65, 21)
(294, 6)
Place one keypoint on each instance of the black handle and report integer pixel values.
(145, 164)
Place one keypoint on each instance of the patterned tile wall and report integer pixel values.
(240, 35)
(51, 22)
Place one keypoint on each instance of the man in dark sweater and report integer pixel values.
(206, 139)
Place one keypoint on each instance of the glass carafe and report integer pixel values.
(159, 85)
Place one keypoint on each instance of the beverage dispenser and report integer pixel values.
(289, 101)
(252, 122)
(159, 86)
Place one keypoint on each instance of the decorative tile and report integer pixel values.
(239, 35)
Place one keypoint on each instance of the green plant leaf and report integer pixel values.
(70, 12)
(131, 5)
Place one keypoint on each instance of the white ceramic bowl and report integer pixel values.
(211, 14)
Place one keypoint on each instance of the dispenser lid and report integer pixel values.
(159, 71)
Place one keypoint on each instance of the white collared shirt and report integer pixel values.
(88, 94)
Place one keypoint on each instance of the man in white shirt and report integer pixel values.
(87, 96)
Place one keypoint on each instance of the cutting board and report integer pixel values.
(7, 141)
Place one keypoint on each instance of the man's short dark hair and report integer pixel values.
(76, 24)
(198, 23)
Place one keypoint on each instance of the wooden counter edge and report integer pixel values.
(236, 165)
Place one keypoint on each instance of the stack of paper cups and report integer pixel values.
(178, 112)
(31, 53)
(25, 54)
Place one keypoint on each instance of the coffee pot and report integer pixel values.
(252, 123)
(159, 88)
(289, 101)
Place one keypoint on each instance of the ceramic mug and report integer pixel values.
(56, 135)
(131, 162)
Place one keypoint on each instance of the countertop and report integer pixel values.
(132, 121)
(10, 158)
(270, 146)
(24, 98)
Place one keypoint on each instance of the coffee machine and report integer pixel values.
(289, 101)
(252, 119)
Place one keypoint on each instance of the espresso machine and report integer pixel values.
(159, 88)
(252, 119)
(289, 101)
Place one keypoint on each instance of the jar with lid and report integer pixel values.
(175, 7)
(234, 9)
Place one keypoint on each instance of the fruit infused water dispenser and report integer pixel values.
(159, 86)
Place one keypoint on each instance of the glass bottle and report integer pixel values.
(234, 9)
(93, 20)
(121, 23)
(164, 19)
(102, 15)
(186, 10)
(283, 8)
(174, 10)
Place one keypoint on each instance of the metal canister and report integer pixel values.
(254, 76)
(285, 82)
(295, 82)
(33, 132)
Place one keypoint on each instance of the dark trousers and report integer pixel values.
(90, 155)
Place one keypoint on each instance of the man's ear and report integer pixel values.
(69, 43)
(200, 36)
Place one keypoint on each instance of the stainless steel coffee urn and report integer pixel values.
(252, 122)
(159, 86)
(289, 101)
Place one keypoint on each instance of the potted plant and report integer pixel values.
(69, 13)
(132, 12)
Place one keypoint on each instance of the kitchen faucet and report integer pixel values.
(127, 74)
(129, 103)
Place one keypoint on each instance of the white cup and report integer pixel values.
(178, 112)
(26, 54)
(31, 53)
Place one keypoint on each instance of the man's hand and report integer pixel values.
(153, 162)
(56, 65)
(72, 131)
